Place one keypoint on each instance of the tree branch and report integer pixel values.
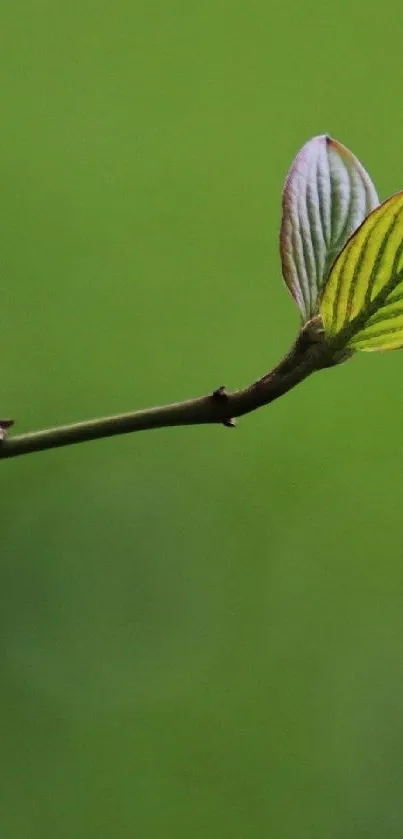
(307, 355)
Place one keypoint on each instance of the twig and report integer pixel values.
(306, 356)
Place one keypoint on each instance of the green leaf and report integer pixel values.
(326, 196)
(362, 304)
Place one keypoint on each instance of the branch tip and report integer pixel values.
(4, 425)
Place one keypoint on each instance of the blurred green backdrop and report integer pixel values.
(201, 630)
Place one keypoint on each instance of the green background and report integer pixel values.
(201, 629)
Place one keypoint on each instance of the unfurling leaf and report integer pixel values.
(327, 195)
(362, 304)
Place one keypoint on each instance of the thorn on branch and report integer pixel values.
(229, 423)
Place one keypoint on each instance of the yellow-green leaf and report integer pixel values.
(362, 303)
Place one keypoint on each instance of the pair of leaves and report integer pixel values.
(342, 253)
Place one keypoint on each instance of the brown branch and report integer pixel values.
(307, 355)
